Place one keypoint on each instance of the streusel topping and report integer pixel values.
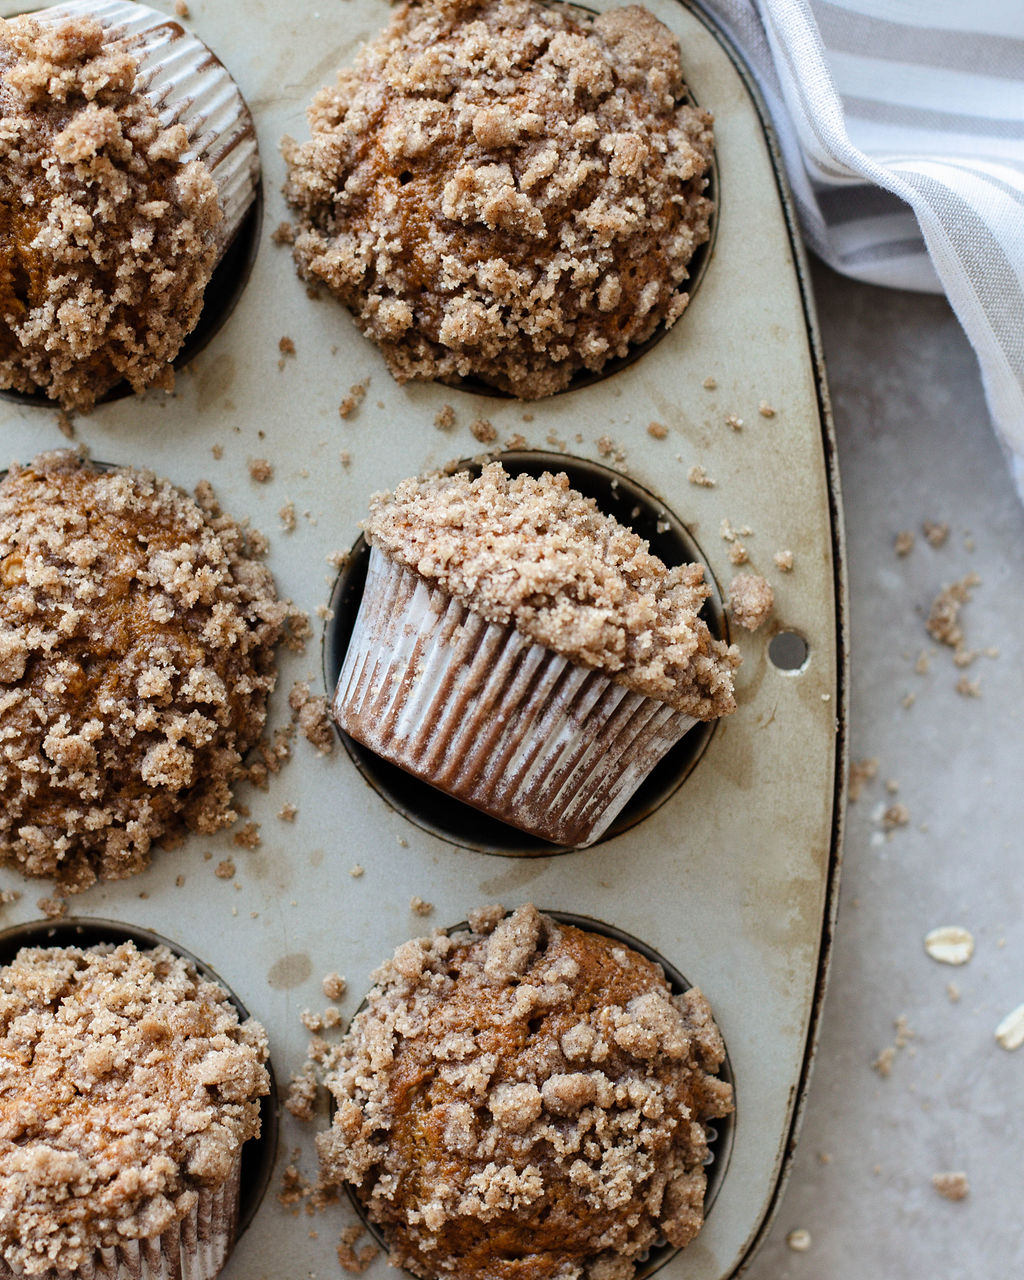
(505, 190)
(526, 1099)
(106, 237)
(136, 657)
(129, 1082)
(537, 554)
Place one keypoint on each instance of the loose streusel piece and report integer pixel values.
(751, 600)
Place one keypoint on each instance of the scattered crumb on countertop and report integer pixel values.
(944, 616)
(658, 430)
(260, 470)
(952, 1186)
(698, 476)
(935, 534)
(734, 422)
(444, 419)
(783, 561)
(419, 907)
(861, 771)
(903, 543)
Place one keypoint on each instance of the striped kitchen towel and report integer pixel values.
(901, 124)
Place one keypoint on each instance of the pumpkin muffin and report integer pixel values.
(525, 653)
(115, 205)
(503, 190)
(525, 1100)
(121, 1130)
(137, 640)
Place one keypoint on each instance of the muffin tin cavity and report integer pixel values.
(459, 823)
(258, 1154)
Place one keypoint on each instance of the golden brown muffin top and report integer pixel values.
(136, 656)
(537, 554)
(523, 1101)
(504, 189)
(128, 1083)
(106, 236)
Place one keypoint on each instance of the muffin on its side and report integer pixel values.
(115, 203)
(523, 652)
(122, 1126)
(505, 190)
(137, 639)
(523, 1101)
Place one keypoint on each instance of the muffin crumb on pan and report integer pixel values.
(137, 642)
(525, 1098)
(503, 190)
(136, 1088)
(107, 232)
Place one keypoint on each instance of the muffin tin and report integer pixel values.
(730, 869)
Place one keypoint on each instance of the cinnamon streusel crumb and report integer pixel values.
(505, 190)
(136, 657)
(751, 600)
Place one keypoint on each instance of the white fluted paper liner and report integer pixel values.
(492, 718)
(194, 1248)
(186, 84)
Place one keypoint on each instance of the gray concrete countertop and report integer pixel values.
(916, 445)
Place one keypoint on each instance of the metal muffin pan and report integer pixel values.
(733, 875)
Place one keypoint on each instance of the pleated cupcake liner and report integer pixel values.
(490, 717)
(186, 84)
(193, 1248)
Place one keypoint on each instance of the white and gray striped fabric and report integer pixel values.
(901, 124)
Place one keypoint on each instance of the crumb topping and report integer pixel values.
(107, 238)
(505, 190)
(751, 600)
(136, 657)
(537, 554)
(134, 1085)
(525, 1091)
